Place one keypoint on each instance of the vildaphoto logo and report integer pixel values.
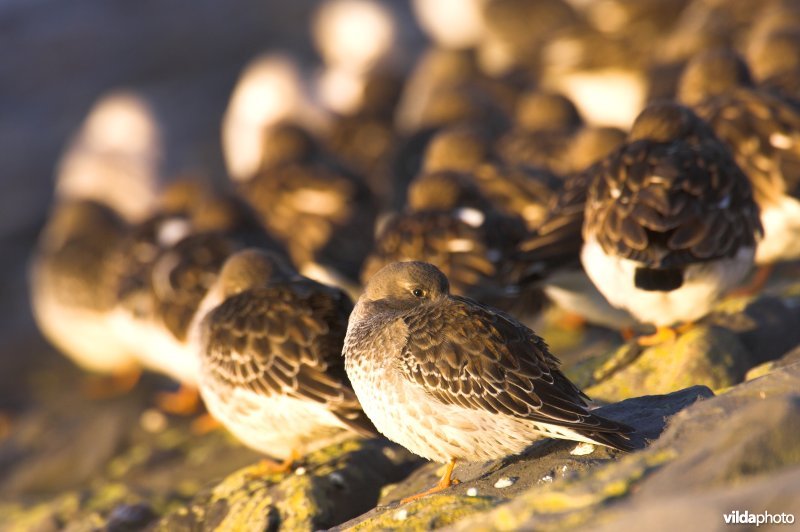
(764, 518)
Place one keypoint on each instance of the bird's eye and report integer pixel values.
(418, 292)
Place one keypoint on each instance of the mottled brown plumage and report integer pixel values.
(322, 212)
(670, 221)
(73, 287)
(167, 264)
(451, 224)
(450, 378)
(271, 340)
(667, 205)
(762, 130)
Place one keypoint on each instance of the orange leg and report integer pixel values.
(108, 386)
(204, 423)
(185, 401)
(663, 335)
(756, 283)
(268, 467)
(571, 321)
(445, 482)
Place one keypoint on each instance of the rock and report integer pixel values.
(47, 451)
(718, 352)
(788, 359)
(708, 356)
(545, 464)
(705, 510)
(130, 517)
(332, 486)
(766, 326)
(709, 460)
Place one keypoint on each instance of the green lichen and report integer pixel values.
(428, 513)
(709, 356)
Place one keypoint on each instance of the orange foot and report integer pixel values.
(266, 467)
(185, 401)
(445, 482)
(98, 387)
(663, 335)
(756, 283)
(204, 423)
(572, 321)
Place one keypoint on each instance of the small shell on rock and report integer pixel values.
(153, 421)
(546, 478)
(300, 471)
(582, 449)
(472, 492)
(400, 515)
(505, 482)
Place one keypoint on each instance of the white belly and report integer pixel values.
(781, 240)
(157, 349)
(83, 335)
(703, 285)
(574, 292)
(274, 425)
(405, 414)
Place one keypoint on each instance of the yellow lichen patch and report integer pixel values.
(426, 514)
(708, 356)
(759, 371)
(19, 518)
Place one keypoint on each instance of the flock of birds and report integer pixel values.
(451, 192)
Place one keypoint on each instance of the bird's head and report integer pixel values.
(252, 268)
(406, 285)
(711, 73)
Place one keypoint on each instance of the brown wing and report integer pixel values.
(182, 275)
(285, 340)
(557, 242)
(472, 255)
(763, 132)
(670, 204)
(322, 213)
(542, 149)
(469, 355)
(74, 255)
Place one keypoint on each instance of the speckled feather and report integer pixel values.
(72, 264)
(322, 213)
(482, 375)
(166, 281)
(669, 204)
(284, 340)
(763, 132)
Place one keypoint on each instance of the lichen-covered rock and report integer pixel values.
(712, 456)
(788, 359)
(708, 356)
(545, 465)
(332, 485)
(718, 352)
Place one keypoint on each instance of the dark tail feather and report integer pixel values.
(620, 439)
(658, 280)
(359, 423)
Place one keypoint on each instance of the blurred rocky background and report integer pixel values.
(722, 404)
